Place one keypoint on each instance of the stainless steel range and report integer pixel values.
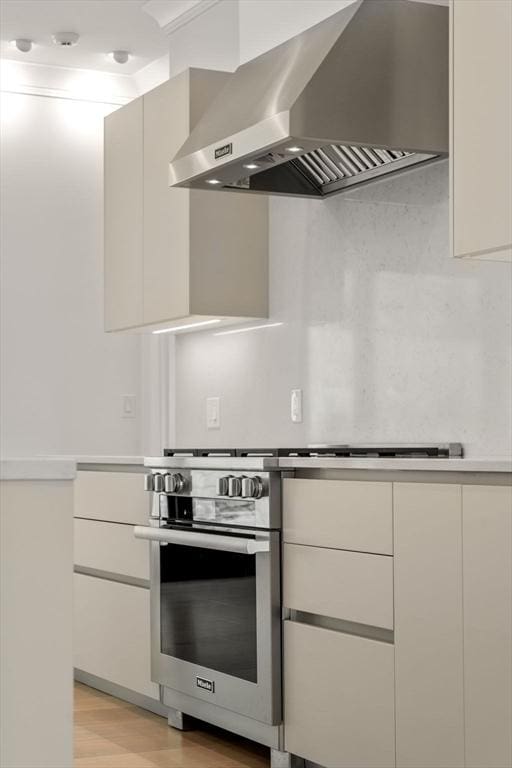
(215, 549)
(215, 590)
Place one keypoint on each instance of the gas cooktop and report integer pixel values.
(386, 451)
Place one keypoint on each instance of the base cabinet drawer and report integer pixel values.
(338, 698)
(118, 497)
(112, 548)
(112, 631)
(344, 585)
(341, 514)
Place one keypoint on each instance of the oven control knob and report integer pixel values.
(158, 483)
(223, 486)
(174, 483)
(178, 483)
(149, 483)
(252, 487)
(235, 486)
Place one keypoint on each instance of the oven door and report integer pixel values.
(215, 616)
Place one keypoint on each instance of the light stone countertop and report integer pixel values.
(486, 464)
(37, 469)
(103, 459)
(109, 460)
(418, 465)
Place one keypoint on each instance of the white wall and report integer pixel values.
(210, 40)
(234, 31)
(61, 377)
(390, 338)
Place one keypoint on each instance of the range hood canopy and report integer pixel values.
(362, 94)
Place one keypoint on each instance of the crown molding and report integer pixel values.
(167, 18)
(66, 83)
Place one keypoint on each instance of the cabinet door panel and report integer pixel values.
(339, 708)
(112, 548)
(344, 585)
(166, 210)
(428, 625)
(123, 170)
(111, 633)
(481, 151)
(487, 561)
(117, 497)
(340, 514)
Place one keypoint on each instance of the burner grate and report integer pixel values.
(415, 451)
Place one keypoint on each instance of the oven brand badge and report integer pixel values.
(226, 149)
(206, 685)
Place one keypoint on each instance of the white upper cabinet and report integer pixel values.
(123, 171)
(481, 129)
(173, 256)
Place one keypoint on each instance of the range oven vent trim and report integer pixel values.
(337, 165)
(332, 168)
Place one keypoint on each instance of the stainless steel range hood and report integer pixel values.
(360, 95)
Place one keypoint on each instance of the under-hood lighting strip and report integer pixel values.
(186, 327)
(243, 330)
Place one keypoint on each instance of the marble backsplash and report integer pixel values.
(388, 337)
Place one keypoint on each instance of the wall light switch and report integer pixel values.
(128, 406)
(296, 405)
(213, 412)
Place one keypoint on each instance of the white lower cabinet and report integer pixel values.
(428, 626)
(339, 698)
(441, 696)
(115, 497)
(487, 568)
(112, 633)
(351, 586)
(110, 547)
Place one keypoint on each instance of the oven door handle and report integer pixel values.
(203, 540)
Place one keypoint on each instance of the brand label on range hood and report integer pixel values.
(226, 149)
(206, 685)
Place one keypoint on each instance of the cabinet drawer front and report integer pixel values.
(339, 513)
(111, 633)
(110, 547)
(343, 585)
(117, 497)
(338, 698)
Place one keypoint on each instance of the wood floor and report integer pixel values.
(110, 733)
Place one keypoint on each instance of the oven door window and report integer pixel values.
(208, 609)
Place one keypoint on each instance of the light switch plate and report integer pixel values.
(213, 412)
(296, 405)
(128, 406)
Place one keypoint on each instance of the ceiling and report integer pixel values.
(137, 26)
(103, 26)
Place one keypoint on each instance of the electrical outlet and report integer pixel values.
(213, 412)
(296, 405)
(128, 406)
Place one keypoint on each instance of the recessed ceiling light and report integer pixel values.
(120, 57)
(22, 44)
(294, 149)
(213, 181)
(251, 166)
(65, 39)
